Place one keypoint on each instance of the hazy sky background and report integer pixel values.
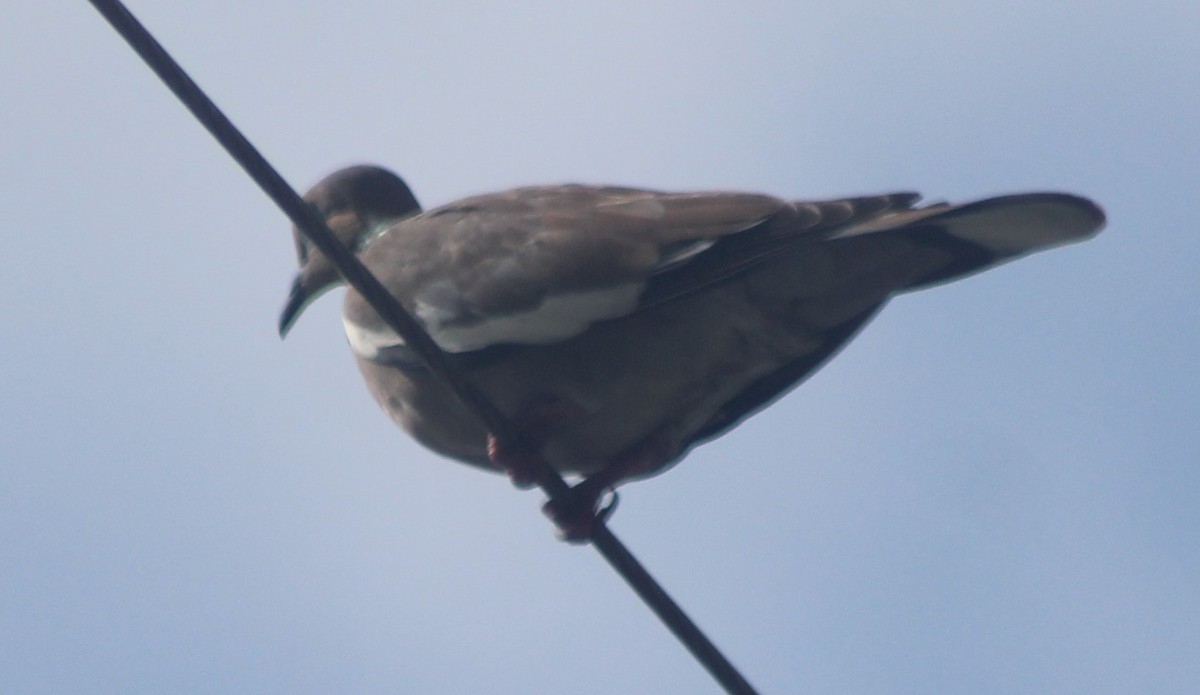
(994, 489)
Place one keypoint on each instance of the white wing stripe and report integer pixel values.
(557, 318)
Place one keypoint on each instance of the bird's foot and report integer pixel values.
(584, 508)
(579, 513)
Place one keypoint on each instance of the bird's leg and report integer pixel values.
(580, 512)
(537, 421)
(522, 466)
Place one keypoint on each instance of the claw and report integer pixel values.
(580, 512)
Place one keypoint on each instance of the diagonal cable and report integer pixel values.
(356, 275)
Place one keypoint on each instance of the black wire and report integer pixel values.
(309, 222)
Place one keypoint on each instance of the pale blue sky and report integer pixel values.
(993, 490)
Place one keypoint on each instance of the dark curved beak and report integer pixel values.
(295, 305)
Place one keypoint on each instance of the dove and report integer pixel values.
(620, 327)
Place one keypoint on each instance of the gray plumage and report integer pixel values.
(662, 319)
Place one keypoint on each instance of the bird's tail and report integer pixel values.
(977, 235)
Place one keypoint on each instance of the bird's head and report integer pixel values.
(355, 202)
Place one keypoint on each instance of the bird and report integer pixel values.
(618, 327)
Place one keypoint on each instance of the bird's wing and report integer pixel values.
(541, 265)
